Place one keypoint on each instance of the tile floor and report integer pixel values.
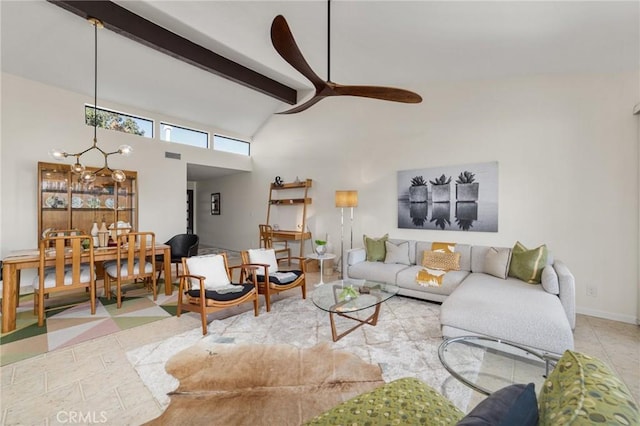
(81, 383)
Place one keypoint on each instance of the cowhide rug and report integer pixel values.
(257, 384)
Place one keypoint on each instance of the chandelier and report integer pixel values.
(78, 168)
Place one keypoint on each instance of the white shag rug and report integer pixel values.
(404, 342)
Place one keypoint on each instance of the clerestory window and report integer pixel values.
(119, 121)
(235, 146)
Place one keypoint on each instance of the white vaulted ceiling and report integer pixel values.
(403, 44)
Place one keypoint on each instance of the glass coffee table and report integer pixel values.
(345, 297)
(486, 364)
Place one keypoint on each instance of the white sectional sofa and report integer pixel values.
(538, 316)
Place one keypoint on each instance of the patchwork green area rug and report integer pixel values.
(70, 325)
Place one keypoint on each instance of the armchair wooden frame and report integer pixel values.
(204, 305)
(267, 240)
(267, 288)
(67, 272)
(135, 251)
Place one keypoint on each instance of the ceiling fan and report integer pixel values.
(284, 43)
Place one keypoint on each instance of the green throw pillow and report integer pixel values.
(406, 401)
(527, 265)
(375, 248)
(582, 390)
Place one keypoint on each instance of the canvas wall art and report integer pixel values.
(451, 198)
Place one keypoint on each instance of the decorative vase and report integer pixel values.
(94, 234)
(103, 235)
(321, 249)
(329, 245)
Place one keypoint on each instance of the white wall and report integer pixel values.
(567, 148)
(38, 117)
(568, 162)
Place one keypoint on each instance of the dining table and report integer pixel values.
(18, 260)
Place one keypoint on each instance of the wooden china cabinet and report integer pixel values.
(66, 203)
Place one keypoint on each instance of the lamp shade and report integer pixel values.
(346, 198)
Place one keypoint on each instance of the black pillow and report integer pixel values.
(515, 405)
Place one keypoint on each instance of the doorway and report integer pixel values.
(189, 211)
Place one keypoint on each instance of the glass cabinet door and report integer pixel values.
(53, 198)
(92, 202)
(127, 203)
(67, 203)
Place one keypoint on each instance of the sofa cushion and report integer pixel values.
(508, 309)
(421, 247)
(412, 248)
(397, 253)
(403, 401)
(376, 271)
(375, 248)
(406, 279)
(549, 280)
(465, 256)
(496, 262)
(527, 264)
(582, 390)
(511, 405)
(478, 257)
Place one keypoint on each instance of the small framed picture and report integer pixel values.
(215, 203)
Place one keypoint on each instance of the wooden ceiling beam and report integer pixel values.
(135, 27)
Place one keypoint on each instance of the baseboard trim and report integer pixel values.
(609, 315)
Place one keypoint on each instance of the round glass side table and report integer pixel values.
(321, 258)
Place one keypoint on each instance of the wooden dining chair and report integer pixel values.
(271, 279)
(211, 275)
(48, 234)
(68, 272)
(62, 232)
(135, 259)
(268, 241)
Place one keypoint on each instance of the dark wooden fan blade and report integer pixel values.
(286, 46)
(377, 92)
(303, 106)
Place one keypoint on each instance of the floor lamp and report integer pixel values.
(345, 199)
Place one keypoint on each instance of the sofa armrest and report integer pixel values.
(356, 255)
(567, 295)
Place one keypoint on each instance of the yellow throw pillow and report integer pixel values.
(429, 277)
(443, 247)
(441, 261)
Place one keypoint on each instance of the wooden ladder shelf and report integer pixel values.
(300, 235)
